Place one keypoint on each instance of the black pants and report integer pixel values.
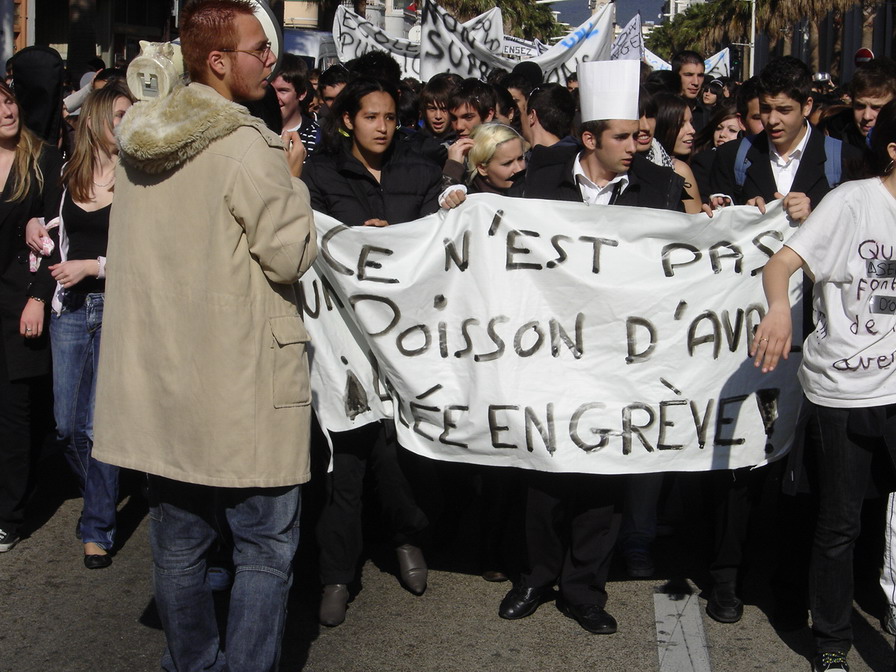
(731, 495)
(571, 529)
(339, 530)
(16, 418)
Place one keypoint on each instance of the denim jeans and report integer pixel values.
(844, 469)
(264, 524)
(75, 340)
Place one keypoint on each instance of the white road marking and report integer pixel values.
(680, 638)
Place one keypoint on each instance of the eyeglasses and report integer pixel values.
(261, 54)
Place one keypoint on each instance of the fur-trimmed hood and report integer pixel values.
(162, 134)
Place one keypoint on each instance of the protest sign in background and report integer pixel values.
(446, 46)
(629, 44)
(355, 36)
(719, 64)
(554, 336)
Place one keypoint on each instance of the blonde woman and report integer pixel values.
(496, 159)
(29, 172)
(76, 322)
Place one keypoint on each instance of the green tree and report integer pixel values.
(522, 18)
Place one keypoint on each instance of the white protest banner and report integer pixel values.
(447, 46)
(355, 36)
(655, 61)
(520, 50)
(718, 65)
(555, 336)
(629, 44)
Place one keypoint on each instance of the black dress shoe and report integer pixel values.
(412, 568)
(97, 561)
(521, 601)
(723, 605)
(590, 616)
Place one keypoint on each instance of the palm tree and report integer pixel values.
(522, 18)
(869, 14)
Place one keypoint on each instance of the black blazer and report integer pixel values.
(549, 176)
(26, 358)
(701, 165)
(760, 181)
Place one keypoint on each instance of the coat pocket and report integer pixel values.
(290, 362)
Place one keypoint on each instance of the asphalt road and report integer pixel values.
(58, 616)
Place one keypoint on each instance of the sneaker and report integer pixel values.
(890, 622)
(830, 661)
(8, 540)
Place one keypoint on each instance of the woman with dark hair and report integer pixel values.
(712, 94)
(365, 177)
(675, 133)
(724, 125)
(29, 173)
(674, 129)
(76, 323)
(846, 373)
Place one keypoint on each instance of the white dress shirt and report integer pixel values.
(593, 194)
(783, 169)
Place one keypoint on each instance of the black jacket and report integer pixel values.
(341, 187)
(31, 357)
(760, 181)
(549, 175)
(424, 143)
(701, 165)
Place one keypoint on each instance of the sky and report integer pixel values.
(575, 12)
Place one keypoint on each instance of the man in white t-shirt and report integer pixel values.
(847, 373)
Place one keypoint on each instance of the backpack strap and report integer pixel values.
(741, 162)
(833, 165)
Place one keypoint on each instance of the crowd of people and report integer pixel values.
(201, 201)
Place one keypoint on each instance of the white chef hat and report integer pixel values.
(609, 89)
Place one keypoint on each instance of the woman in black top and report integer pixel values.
(365, 177)
(29, 171)
(76, 323)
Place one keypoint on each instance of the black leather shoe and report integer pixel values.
(97, 561)
(521, 601)
(723, 605)
(593, 618)
(333, 604)
(412, 568)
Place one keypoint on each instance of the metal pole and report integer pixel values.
(752, 37)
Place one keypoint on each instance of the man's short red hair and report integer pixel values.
(207, 25)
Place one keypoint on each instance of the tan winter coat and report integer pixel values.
(203, 375)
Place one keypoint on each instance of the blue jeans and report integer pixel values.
(75, 340)
(264, 524)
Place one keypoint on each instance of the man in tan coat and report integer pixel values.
(203, 376)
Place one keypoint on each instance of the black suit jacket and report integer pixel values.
(549, 176)
(760, 181)
(31, 357)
